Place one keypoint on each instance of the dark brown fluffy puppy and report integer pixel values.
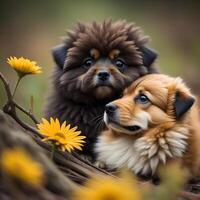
(94, 65)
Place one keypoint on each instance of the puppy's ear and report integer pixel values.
(182, 103)
(59, 54)
(148, 55)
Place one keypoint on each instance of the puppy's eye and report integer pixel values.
(120, 63)
(142, 99)
(88, 62)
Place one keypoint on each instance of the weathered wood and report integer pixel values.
(60, 175)
(11, 135)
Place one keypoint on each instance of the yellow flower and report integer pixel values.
(23, 66)
(18, 164)
(61, 135)
(108, 188)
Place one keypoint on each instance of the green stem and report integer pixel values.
(53, 148)
(16, 87)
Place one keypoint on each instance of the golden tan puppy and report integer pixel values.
(154, 123)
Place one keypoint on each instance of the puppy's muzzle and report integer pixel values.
(111, 113)
(110, 109)
(111, 117)
(103, 75)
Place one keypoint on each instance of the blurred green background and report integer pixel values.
(31, 28)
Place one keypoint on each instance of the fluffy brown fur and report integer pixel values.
(87, 76)
(153, 124)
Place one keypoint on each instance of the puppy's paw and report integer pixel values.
(100, 164)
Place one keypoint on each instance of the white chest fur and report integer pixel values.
(144, 154)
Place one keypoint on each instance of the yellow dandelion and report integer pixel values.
(23, 66)
(104, 188)
(64, 137)
(18, 164)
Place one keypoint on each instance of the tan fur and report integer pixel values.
(114, 54)
(165, 139)
(94, 53)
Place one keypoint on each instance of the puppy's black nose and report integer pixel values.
(110, 108)
(103, 75)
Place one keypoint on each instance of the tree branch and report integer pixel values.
(11, 105)
(6, 86)
(29, 113)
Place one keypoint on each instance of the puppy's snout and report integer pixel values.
(110, 109)
(103, 75)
